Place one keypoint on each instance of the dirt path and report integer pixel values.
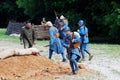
(102, 66)
(108, 68)
(106, 64)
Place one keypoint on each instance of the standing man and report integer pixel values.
(64, 19)
(55, 44)
(73, 54)
(83, 31)
(56, 23)
(43, 22)
(62, 30)
(27, 36)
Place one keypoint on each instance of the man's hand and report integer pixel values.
(56, 17)
(86, 34)
(72, 40)
(68, 46)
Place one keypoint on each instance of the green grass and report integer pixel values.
(116, 71)
(111, 50)
(5, 37)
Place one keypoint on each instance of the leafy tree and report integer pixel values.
(34, 8)
(42, 8)
(102, 17)
(113, 20)
(10, 11)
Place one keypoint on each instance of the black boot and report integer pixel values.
(64, 60)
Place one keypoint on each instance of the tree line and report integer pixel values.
(102, 17)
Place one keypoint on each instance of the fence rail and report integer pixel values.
(15, 28)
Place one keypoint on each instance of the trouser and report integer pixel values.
(51, 52)
(27, 44)
(84, 48)
(73, 62)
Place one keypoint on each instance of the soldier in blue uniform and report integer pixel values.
(83, 31)
(72, 51)
(56, 23)
(64, 19)
(61, 25)
(55, 43)
(62, 30)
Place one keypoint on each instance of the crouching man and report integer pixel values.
(71, 43)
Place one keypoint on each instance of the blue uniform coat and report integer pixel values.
(67, 41)
(55, 43)
(62, 32)
(82, 31)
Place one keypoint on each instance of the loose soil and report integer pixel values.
(33, 67)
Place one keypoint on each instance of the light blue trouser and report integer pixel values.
(51, 52)
(73, 62)
(84, 48)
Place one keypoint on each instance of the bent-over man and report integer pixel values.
(55, 43)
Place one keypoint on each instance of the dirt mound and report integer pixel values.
(31, 68)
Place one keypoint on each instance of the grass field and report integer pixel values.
(5, 37)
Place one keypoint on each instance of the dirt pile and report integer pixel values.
(31, 68)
